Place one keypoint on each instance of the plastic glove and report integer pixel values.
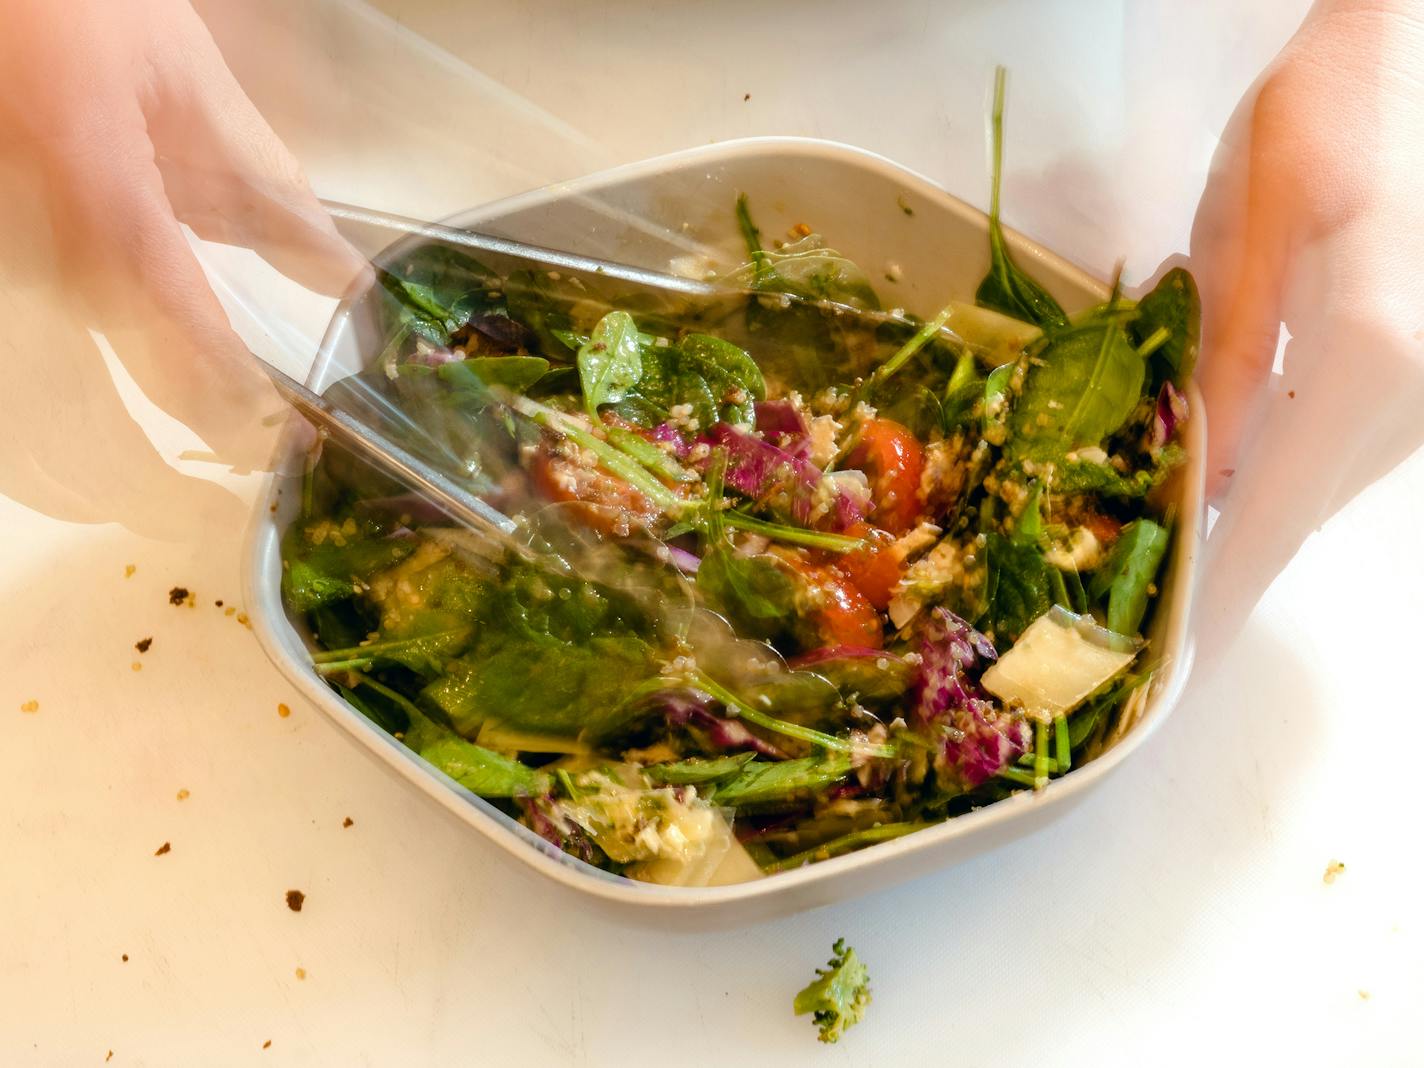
(124, 118)
(1314, 215)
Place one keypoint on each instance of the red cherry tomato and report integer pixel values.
(873, 569)
(835, 612)
(893, 461)
(610, 504)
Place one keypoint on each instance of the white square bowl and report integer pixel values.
(896, 224)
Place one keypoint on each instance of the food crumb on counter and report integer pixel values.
(301, 973)
(1364, 995)
(136, 666)
(164, 848)
(1333, 869)
(242, 618)
(348, 822)
(295, 900)
(129, 569)
(229, 610)
(268, 1043)
(183, 794)
(178, 595)
(217, 603)
(108, 1056)
(30, 706)
(143, 644)
(746, 97)
(283, 710)
(124, 958)
(1291, 394)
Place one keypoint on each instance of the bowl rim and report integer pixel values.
(514, 838)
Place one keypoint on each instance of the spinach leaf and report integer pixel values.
(383, 712)
(762, 782)
(1173, 304)
(1018, 588)
(697, 771)
(962, 392)
(1129, 570)
(1078, 390)
(755, 593)
(315, 575)
(479, 770)
(435, 290)
(1087, 476)
(611, 362)
(1006, 288)
(469, 380)
(425, 653)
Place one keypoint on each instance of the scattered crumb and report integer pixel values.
(283, 711)
(348, 822)
(229, 610)
(30, 706)
(164, 848)
(746, 96)
(1364, 995)
(273, 510)
(1227, 472)
(1291, 394)
(143, 646)
(1333, 869)
(900, 200)
(136, 666)
(801, 230)
(125, 958)
(268, 1043)
(177, 595)
(129, 569)
(108, 1056)
(295, 900)
(301, 973)
(242, 618)
(217, 604)
(183, 795)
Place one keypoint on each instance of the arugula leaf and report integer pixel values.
(1018, 588)
(610, 363)
(1174, 305)
(754, 593)
(1129, 570)
(697, 771)
(316, 575)
(1006, 288)
(762, 782)
(1077, 391)
(481, 771)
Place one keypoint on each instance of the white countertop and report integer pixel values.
(1178, 915)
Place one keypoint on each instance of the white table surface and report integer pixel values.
(1178, 916)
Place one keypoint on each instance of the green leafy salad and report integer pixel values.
(781, 587)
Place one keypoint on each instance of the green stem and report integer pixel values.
(1065, 750)
(333, 667)
(622, 465)
(1018, 775)
(1155, 341)
(742, 710)
(845, 844)
(761, 263)
(1040, 754)
(815, 539)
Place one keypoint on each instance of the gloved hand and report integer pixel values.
(123, 120)
(1314, 215)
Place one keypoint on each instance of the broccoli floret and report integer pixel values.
(839, 994)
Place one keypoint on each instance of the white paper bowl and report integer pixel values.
(891, 221)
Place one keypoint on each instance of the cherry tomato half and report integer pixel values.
(873, 569)
(611, 505)
(893, 460)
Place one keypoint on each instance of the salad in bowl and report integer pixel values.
(777, 590)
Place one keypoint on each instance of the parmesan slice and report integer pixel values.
(1058, 662)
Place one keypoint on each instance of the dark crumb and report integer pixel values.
(348, 822)
(267, 1044)
(295, 898)
(164, 848)
(1291, 394)
(217, 604)
(748, 96)
(109, 1056)
(273, 510)
(142, 646)
(125, 958)
(177, 595)
(900, 200)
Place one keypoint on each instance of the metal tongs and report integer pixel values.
(372, 233)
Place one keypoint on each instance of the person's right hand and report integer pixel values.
(128, 116)
(1314, 216)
